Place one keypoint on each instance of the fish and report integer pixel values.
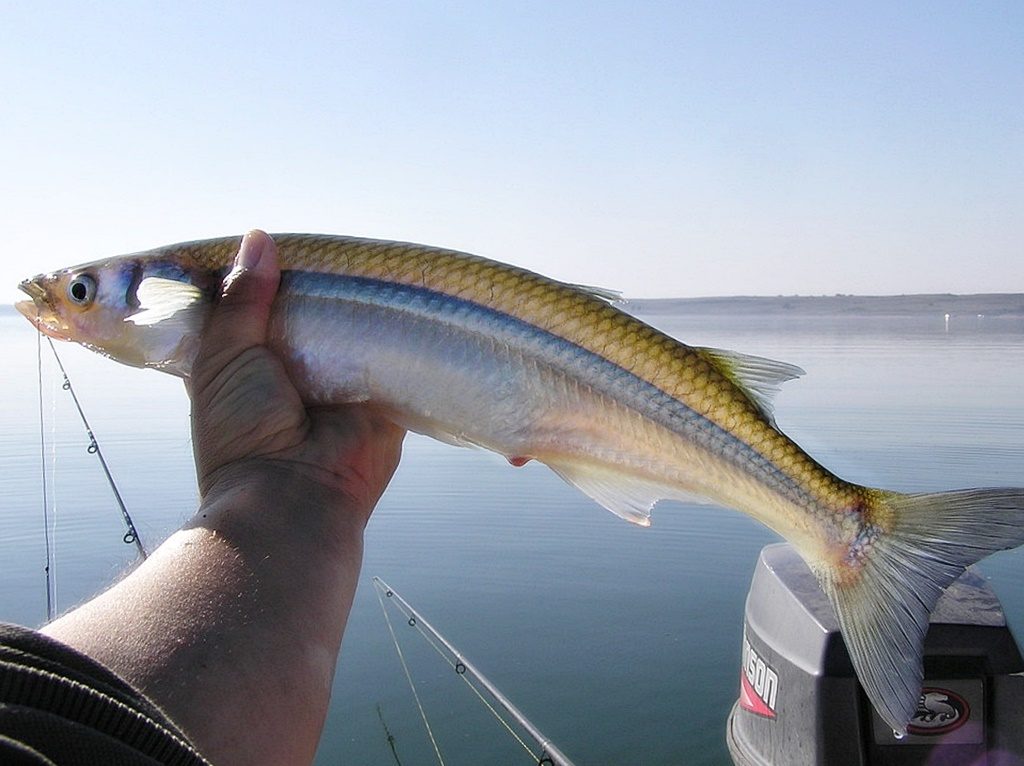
(475, 352)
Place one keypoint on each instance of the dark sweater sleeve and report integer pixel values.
(60, 707)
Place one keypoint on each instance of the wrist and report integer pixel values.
(265, 505)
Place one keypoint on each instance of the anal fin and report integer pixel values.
(627, 496)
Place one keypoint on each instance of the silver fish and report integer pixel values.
(475, 352)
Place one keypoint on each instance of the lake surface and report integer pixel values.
(621, 644)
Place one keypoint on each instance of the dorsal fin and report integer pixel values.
(757, 377)
(604, 293)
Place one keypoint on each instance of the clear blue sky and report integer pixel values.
(658, 148)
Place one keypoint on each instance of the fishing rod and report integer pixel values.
(132, 535)
(550, 754)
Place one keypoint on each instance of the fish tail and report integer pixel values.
(885, 590)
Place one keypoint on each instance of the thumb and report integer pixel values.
(240, 319)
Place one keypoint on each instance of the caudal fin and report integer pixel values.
(884, 606)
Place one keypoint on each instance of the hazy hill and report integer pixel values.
(987, 304)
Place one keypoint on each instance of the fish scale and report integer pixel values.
(678, 370)
(475, 352)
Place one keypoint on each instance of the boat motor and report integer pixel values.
(800, 701)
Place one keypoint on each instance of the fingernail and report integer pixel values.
(251, 251)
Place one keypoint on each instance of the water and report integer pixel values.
(621, 644)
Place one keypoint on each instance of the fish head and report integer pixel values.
(144, 311)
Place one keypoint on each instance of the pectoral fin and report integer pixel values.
(162, 299)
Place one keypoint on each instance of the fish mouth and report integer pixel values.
(31, 309)
(39, 312)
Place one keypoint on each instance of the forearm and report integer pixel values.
(233, 625)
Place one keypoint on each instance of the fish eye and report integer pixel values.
(81, 290)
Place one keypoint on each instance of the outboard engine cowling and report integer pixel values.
(800, 701)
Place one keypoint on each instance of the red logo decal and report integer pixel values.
(759, 684)
(750, 701)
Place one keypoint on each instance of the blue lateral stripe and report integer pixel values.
(574, 360)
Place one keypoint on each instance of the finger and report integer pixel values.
(240, 319)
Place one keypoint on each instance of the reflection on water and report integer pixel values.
(621, 643)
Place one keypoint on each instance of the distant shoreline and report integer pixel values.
(985, 304)
(928, 304)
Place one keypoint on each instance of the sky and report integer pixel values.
(661, 149)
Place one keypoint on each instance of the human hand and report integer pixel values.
(250, 427)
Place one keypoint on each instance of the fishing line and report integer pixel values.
(460, 670)
(42, 464)
(54, 494)
(132, 535)
(408, 676)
